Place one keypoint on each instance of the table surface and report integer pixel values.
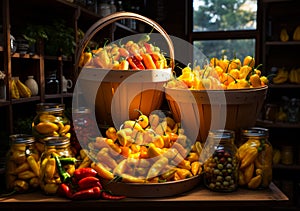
(199, 196)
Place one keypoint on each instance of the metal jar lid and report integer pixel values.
(56, 141)
(21, 139)
(50, 107)
(255, 132)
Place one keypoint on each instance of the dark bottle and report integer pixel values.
(52, 83)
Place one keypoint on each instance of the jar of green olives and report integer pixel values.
(221, 162)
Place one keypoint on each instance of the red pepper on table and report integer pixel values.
(91, 193)
(65, 190)
(84, 172)
(107, 195)
(88, 182)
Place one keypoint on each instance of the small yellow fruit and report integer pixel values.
(296, 35)
(46, 127)
(284, 36)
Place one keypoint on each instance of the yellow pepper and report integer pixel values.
(255, 80)
(50, 168)
(249, 158)
(249, 61)
(193, 156)
(25, 175)
(255, 182)
(111, 133)
(20, 186)
(184, 173)
(196, 168)
(248, 172)
(157, 167)
(50, 188)
(33, 165)
(86, 162)
(23, 167)
(153, 151)
(244, 71)
(102, 171)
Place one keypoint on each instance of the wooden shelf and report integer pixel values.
(198, 197)
(27, 99)
(280, 43)
(4, 103)
(25, 56)
(294, 167)
(270, 124)
(284, 86)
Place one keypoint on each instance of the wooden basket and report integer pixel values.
(200, 111)
(119, 93)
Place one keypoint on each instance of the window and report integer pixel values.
(225, 27)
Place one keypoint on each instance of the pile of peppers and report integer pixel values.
(84, 185)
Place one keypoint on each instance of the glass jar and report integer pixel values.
(256, 154)
(287, 155)
(221, 162)
(49, 121)
(82, 124)
(57, 153)
(22, 170)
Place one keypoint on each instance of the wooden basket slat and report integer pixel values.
(242, 109)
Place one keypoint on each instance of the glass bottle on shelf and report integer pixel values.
(52, 83)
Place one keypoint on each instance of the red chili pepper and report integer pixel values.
(65, 190)
(106, 195)
(91, 193)
(88, 182)
(138, 63)
(84, 172)
(132, 65)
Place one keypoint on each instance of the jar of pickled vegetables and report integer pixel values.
(221, 161)
(22, 169)
(49, 121)
(57, 164)
(256, 158)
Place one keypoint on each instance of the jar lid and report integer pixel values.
(221, 134)
(255, 132)
(21, 139)
(50, 107)
(82, 110)
(56, 141)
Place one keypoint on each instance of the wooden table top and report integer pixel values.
(197, 197)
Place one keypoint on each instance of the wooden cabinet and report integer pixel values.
(276, 54)
(16, 114)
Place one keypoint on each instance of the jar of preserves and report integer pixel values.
(49, 121)
(287, 155)
(256, 155)
(221, 161)
(57, 164)
(22, 169)
(83, 126)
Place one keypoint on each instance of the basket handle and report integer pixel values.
(118, 16)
